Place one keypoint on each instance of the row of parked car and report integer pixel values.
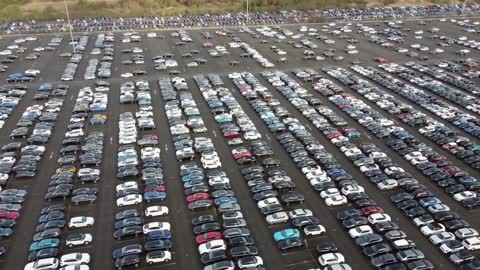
(458, 180)
(374, 215)
(75, 58)
(47, 241)
(270, 110)
(432, 131)
(148, 168)
(221, 245)
(273, 189)
(426, 207)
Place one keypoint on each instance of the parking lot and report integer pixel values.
(349, 144)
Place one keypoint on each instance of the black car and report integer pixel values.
(202, 220)
(240, 241)
(383, 260)
(212, 257)
(242, 251)
(128, 260)
(128, 231)
(127, 250)
(322, 248)
(290, 243)
(158, 245)
(377, 249)
(43, 253)
(207, 227)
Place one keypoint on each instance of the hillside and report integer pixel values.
(51, 9)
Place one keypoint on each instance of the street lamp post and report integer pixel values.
(69, 26)
(247, 13)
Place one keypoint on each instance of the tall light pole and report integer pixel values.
(69, 26)
(464, 5)
(248, 17)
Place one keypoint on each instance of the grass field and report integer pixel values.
(52, 9)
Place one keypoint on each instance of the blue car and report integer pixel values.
(193, 176)
(159, 235)
(45, 243)
(286, 234)
(45, 87)
(334, 171)
(97, 121)
(221, 200)
(154, 196)
(429, 201)
(5, 232)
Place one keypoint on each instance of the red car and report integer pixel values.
(209, 236)
(158, 189)
(9, 215)
(242, 155)
(369, 210)
(437, 158)
(198, 196)
(451, 170)
(230, 135)
(381, 60)
(334, 135)
(207, 45)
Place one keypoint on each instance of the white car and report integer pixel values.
(393, 169)
(32, 72)
(130, 199)
(440, 238)
(300, 212)
(336, 200)
(349, 189)
(251, 263)
(464, 195)
(74, 259)
(158, 256)
(155, 226)
(83, 239)
(211, 163)
(445, 248)
(80, 222)
(314, 230)
(276, 218)
(74, 133)
(48, 263)
(432, 228)
(268, 201)
(378, 217)
(329, 192)
(126, 185)
(126, 75)
(472, 243)
(360, 231)
(331, 259)
(387, 184)
(156, 211)
(211, 246)
(413, 155)
(252, 135)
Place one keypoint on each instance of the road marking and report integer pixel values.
(111, 140)
(155, 91)
(166, 147)
(214, 133)
(51, 155)
(71, 97)
(268, 137)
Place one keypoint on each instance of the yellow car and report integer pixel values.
(100, 116)
(69, 168)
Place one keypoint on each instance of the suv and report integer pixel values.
(128, 260)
